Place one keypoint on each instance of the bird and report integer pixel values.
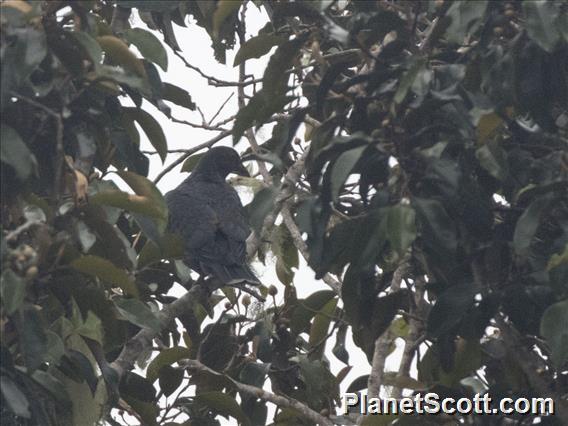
(207, 213)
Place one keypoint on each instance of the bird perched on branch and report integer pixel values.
(208, 215)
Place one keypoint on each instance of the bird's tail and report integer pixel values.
(234, 274)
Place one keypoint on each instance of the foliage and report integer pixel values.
(433, 190)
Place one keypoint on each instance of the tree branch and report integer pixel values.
(143, 339)
(530, 365)
(279, 400)
(191, 151)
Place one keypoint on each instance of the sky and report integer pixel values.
(196, 48)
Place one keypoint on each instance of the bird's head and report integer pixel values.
(221, 160)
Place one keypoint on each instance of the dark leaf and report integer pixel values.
(137, 312)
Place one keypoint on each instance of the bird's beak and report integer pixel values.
(242, 171)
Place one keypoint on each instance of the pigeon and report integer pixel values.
(208, 215)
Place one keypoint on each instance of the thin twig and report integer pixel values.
(220, 108)
(191, 151)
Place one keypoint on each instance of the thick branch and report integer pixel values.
(279, 400)
(143, 339)
(382, 345)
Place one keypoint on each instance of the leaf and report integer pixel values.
(170, 379)
(275, 79)
(166, 357)
(554, 328)
(13, 291)
(256, 47)
(527, 224)
(486, 126)
(192, 161)
(177, 95)
(540, 23)
(119, 53)
(138, 313)
(170, 246)
(223, 404)
(224, 9)
(105, 270)
(286, 254)
(91, 327)
(308, 308)
(260, 206)
(14, 398)
(319, 329)
(15, 153)
(493, 159)
(451, 306)
(401, 227)
(91, 47)
(339, 350)
(130, 202)
(32, 337)
(259, 109)
(437, 227)
(149, 46)
(342, 168)
(466, 16)
(407, 80)
(152, 129)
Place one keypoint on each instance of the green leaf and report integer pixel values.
(224, 9)
(451, 306)
(260, 206)
(342, 168)
(91, 47)
(130, 202)
(527, 224)
(170, 246)
(152, 129)
(149, 46)
(177, 95)
(119, 53)
(541, 23)
(401, 227)
(105, 270)
(170, 379)
(15, 153)
(91, 327)
(554, 328)
(275, 79)
(466, 16)
(259, 109)
(13, 291)
(223, 404)
(256, 47)
(138, 313)
(166, 358)
(308, 308)
(320, 327)
(189, 164)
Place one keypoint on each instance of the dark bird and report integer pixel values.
(208, 215)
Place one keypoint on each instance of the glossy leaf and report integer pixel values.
(105, 270)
